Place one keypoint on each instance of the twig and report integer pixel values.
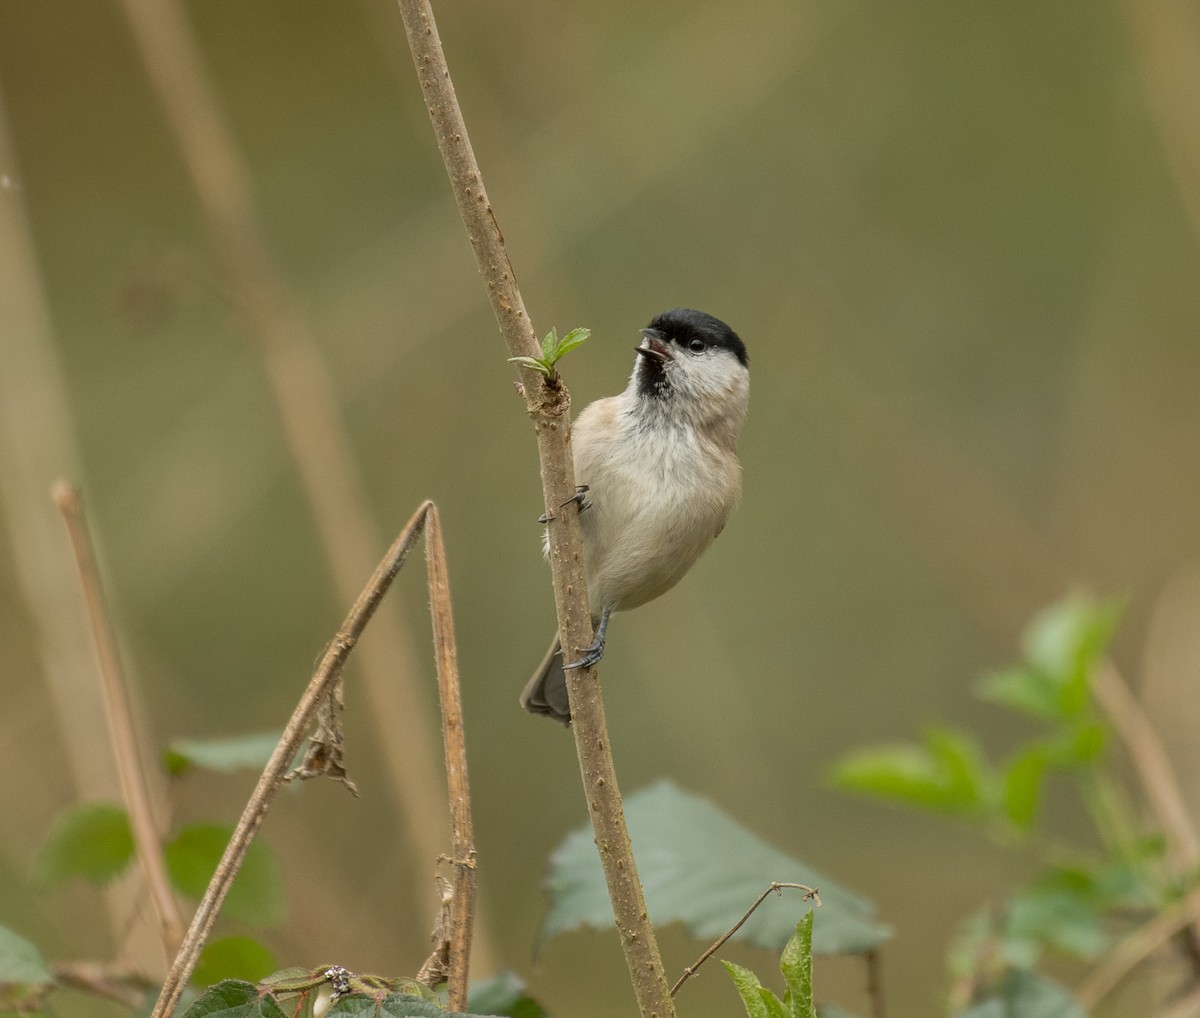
(1153, 766)
(119, 718)
(462, 905)
(127, 988)
(1157, 776)
(810, 894)
(327, 673)
(1188, 1007)
(548, 405)
(874, 961)
(1165, 37)
(1134, 949)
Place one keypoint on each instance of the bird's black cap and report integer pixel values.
(682, 325)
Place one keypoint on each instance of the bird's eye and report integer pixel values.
(696, 345)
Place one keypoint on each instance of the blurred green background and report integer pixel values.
(960, 242)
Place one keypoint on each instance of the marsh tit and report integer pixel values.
(658, 475)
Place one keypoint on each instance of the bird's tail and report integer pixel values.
(546, 692)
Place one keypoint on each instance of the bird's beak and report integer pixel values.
(655, 346)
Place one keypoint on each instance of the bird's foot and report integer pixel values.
(579, 498)
(595, 650)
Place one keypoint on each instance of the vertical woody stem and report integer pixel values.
(548, 404)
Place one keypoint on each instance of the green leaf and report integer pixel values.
(504, 995)
(1081, 744)
(1066, 641)
(21, 963)
(553, 350)
(532, 362)
(1071, 633)
(90, 840)
(574, 338)
(239, 752)
(1061, 646)
(947, 774)
(233, 958)
(796, 966)
(749, 989)
(1023, 779)
(256, 895)
(234, 999)
(1025, 995)
(703, 869)
(394, 1005)
(1022, 689)
(1063, 910)
(776, 1008)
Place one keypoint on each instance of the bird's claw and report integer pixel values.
(591, 656)
(579, 498)
(595, 651)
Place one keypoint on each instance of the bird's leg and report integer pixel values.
(579, 498)
(593, 653)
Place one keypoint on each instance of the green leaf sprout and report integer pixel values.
(553, 350)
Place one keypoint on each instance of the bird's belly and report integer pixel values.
(648, 552)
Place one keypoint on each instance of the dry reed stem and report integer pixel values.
(462, 860)
(119, 718)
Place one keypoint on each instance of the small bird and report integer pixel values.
(658, 477)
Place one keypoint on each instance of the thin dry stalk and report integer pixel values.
(1153, 766)
(37, 444)
(1157, 777)
(462, 904)
(1166, 37)
(810, 894)
(548, 404)
(875, 994)
(328, 672)
(1188, 1007)
(1135, 949)
(119, 719)
(129, 989)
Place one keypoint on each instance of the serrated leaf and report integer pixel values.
(21, 963)
(1026, 995)
(703, 869)
(89, 840)
(394, 1005)
(796, 965)
(239, 752)
(749, 989)
(292, 979)
(256, 895)
(233, 958)
(573, 339)
(234, 999)
(946, 774)
(504, 995)
(549, 345)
